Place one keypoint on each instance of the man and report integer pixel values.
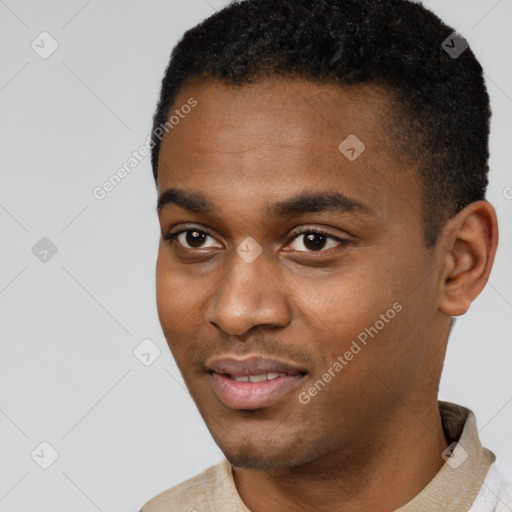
(321, 169)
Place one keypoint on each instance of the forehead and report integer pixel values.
(282, 133)
(309, 111)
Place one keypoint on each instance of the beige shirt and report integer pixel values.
(453, 489)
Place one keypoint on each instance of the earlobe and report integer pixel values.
(469, 241)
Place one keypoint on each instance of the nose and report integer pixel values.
(248, 295)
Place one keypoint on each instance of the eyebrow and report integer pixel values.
(303, 203)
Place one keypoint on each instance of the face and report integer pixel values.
(293, 284)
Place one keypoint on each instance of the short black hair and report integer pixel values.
(441, 112)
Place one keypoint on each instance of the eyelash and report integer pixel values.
(343, 242)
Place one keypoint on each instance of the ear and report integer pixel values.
(468, 245)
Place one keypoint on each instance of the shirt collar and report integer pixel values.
(456, 485)
(453, 489)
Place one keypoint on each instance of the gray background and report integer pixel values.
(124, 431)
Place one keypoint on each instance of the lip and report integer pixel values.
(252, 395)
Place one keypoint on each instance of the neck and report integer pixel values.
(403, 455)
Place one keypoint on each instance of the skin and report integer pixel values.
(372, 438)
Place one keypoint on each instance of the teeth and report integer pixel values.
(259, 378)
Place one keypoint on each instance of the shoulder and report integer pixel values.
(195, 494)
(496, 492)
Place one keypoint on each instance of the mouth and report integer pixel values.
(252, 383)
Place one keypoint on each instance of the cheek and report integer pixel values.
(345, 302)
(369, 317)
(165, 293)
(358, 381)
(177, 299)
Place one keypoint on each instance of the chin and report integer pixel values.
(251, 453)
(263, 439)
(254, 459)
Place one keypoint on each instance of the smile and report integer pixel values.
(258, 378)
(253, 383)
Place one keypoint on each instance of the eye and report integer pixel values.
(192, 239)
(316, 241)
(309, 241)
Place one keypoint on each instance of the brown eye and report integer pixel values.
(195, 238)
(315, 241)
(192, 239)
